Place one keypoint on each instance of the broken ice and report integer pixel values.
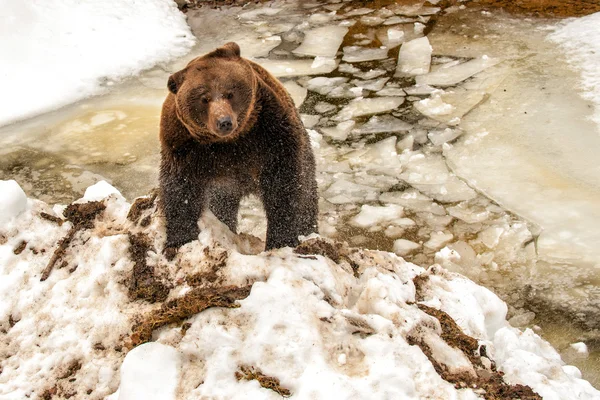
(323, 42)
(361, 106)
(414, 57)
(458, 73)
(360, 54)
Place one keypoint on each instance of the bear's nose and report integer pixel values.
(224, 124)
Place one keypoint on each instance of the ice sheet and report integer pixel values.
(323, 41)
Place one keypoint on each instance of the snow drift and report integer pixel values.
(55, 52)
(224, 320)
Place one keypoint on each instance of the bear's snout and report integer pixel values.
(222, 119)
(224, 125)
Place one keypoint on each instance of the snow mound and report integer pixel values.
(13, 200)
(225, 320)
(580, 38)
(56, 52)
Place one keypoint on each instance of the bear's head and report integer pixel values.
(215, 95)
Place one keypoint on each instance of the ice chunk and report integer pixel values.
(360, 107)
(343, 191)
(309, 120)
(440, 137)
(371, 20)
(437, 240)
(419, 90)
(391, 91)
(450, 106)
(414, 201)
(100, 191)
(397, 20)
(321, 18)
(434, 106)
(254, 14)
(392, 38)
(419, 28)
(415, 10)
(379, 158)
(468, 214)
(357, 12)
(297, 92)
(374, 84)
(349, 68)
(370, 74)
(383, 123)
(321, 62)
(403, 247)
(150, 372)
(339, 132)
(453, 75)
(431, 176)
(374, 215)
(346, 91)
(323, 107)
(324, 41)
(252, 46)
(361, 54)
(283, 68)
(414, 57)
(13, 200)
(323, 85)
(580, 347)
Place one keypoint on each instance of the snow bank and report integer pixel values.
(55, 52)
(13, 200)
(581, 40)
(322, 321)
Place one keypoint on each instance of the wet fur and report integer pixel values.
(269, 156)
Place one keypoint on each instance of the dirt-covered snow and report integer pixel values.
(225, 320)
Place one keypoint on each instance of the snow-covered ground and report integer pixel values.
(55, 52)
(326, 321)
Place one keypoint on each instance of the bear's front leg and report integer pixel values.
(182, 200)
(290, 202)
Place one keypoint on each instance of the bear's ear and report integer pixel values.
(228, 50)
(175, 81)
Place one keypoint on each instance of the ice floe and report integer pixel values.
(323, 41)
(414, 57)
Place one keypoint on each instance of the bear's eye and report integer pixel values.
(228, 96)
(204, 100)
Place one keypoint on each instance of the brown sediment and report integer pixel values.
(20, 247)
(52, 218)
(215, 261)
(71, 369)
(454, 336)
(144, 284)
(335, 251)
(191, 303)
(82, 216)
(490, 381)
(419, 281)
(140, 205)
(268, 382)
(543, 8)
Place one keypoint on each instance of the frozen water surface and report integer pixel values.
(485, 162)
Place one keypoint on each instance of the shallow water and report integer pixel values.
(531, 237)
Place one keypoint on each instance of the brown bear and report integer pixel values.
(229, 128)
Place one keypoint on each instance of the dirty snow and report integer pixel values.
(325, 329)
